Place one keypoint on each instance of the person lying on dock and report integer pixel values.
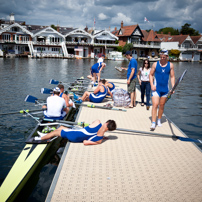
(97, 96)
(68, 101)
(56, 106)
(90, 135)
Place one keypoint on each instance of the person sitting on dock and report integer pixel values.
(111, 87)
(68, 101)
(56, 106)
(90, 135)
(97, 96)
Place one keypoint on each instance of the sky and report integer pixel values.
(107, 13)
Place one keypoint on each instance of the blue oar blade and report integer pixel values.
(52, 81)
(30, 98)
(46, 91)
(185, 139)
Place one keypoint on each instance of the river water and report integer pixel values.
(21, 76)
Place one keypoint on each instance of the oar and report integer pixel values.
(101, 107)
(176, 84)
(30, 98)
(23, 111)
(50, 91)
(174, 137)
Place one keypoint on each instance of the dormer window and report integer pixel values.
(14, 29)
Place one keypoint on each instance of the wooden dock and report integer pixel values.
(128, 166)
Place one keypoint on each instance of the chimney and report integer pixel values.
(168, 33)
(58, 28)
(109, 28)
(86, 28)
(115, 28)
(161, 32)
(121, 24)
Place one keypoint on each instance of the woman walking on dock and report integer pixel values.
(144, 72)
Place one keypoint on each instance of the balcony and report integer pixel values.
(78, 43)
(186, 48)
(13, 41)
(146, 45)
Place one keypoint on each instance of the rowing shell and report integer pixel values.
(27, 162)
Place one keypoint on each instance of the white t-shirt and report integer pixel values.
(100, 60)
(145, 74)
(55, 104)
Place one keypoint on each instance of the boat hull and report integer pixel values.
(26, 164)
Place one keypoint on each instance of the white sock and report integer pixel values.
(159, 122)
(153, 126)
(37, 138)
(41, 134)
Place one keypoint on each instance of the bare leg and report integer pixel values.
(94, 77)
(161, 106)
(54, 133)
(132, 98)
(85, 96)
(155, 103)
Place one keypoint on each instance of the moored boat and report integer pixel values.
(29, 159)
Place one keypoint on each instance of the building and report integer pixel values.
(45, 41)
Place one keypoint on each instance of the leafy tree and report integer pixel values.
(54, 27)
(119, 48)
(166, 30)
(174, 53)
(186, 29)
(127, 47)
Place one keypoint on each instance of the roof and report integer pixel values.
(151, 36)
(195, 38)
(127, 30)
(164, 37)
(179, 38)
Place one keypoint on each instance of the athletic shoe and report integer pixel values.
(76, 97)
(153, 126)
(159, 123)
(78, 101)
(37, 138)
(147, 107)
(41, 134)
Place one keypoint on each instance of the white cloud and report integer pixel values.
(121, 17)
(102, 16)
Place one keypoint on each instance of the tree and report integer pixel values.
(127, 47)
(119, 48)
(167, 30)
(187, 30)
(54, 27)
(174, 53)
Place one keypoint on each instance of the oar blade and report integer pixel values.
(46, 91)
(52, 81)
(31, 98)
(187, 139)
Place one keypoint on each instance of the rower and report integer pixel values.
(90, 135)
(97, 96)
(56, 106)
(68, 101)
(96, 71)
(111, 87)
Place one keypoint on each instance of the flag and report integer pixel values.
(94, 22)
(145, 19)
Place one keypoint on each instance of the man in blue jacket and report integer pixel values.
(131, 78)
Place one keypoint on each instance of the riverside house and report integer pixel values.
(149, 43)
(43, 41)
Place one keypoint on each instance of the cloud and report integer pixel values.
(102, 16)
(121, 17)
(79, 13)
